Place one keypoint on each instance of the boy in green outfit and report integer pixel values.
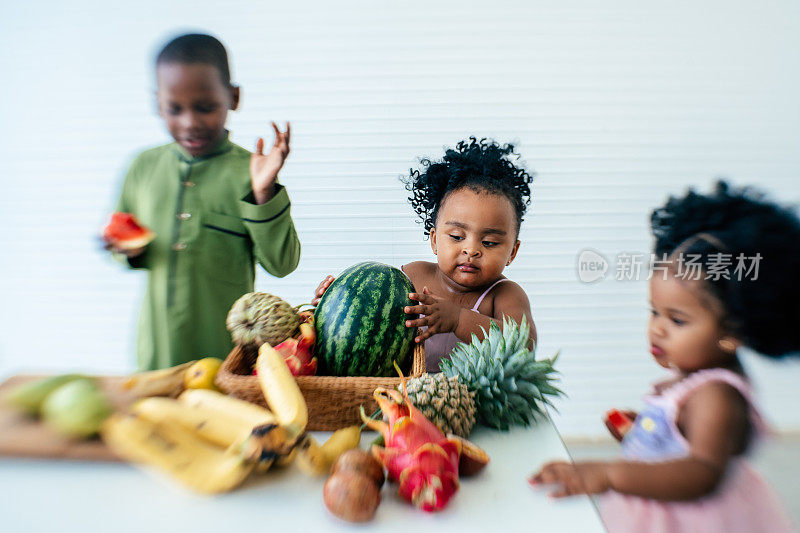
(215, 209)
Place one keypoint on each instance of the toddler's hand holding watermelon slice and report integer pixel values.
(619, 422)
(124, 234)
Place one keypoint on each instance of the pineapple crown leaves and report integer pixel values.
(511, 386)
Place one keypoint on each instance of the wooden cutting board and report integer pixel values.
(23, 436)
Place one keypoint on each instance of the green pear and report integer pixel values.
(76, 409)
(28, 397)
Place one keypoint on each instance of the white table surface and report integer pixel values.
(65, 496)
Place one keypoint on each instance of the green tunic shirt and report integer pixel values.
(209, 233)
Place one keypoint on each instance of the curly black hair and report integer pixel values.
(762, 311)
(480, 165)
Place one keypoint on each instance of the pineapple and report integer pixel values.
(444, 401)
(259, 317)
(510, 384)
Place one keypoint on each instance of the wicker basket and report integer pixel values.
(333, 402)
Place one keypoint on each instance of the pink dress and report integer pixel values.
(742, 503)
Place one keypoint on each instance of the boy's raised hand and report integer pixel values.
(441, 315)
(264, 168)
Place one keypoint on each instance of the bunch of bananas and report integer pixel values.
(211, 442)
(164, 382)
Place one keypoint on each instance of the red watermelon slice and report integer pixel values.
(618, 422)
(125, 233)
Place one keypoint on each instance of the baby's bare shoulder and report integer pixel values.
(510, 290)
(718, 399)
(714, 418)
(507, 298)
(419, 270)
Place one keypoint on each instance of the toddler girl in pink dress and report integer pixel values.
(684, 466)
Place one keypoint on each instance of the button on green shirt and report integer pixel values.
(209, 234)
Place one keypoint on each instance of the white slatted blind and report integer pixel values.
(614, 105)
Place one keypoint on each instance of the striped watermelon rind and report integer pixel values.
(360, 322)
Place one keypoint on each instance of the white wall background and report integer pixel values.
(613, 104)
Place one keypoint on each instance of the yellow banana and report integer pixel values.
(281, 391)
(249, 414)
(342, 440)
(310, 457)
(286, 460)
(221, 430)
(219, 419)
(317, 460)
(269, 442)
(164, 382)
(177, 452)
(275, 441)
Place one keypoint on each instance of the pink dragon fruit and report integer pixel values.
(298, 353)
(417, 454)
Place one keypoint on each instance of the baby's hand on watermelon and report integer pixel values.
(321, 288)
(441, 316)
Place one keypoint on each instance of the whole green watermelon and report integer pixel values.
(360, 322)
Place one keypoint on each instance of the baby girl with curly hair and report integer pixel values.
(471, 205)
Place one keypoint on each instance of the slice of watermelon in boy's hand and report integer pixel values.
(124, 234)
(619, 422)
